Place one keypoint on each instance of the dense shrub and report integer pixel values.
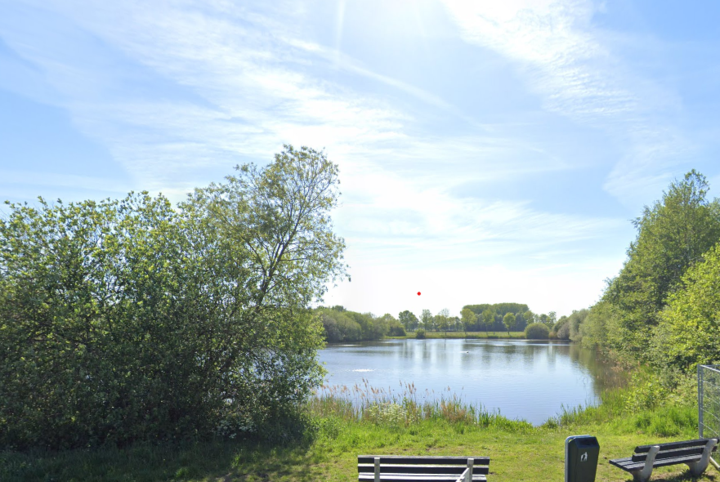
(343, 325)
(537, 331)
(339, 327)
(397, 330)
(689, 332)
(672, 236)
(123, 321)
(420, 334)
(563, 331)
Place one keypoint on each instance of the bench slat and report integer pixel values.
(408, 468)
(640, 449)
(422, 469)
(670, 454)
(418, 478)
(628, 465)
(623, 463)
(422, 459)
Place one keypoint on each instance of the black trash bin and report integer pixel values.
(581, 458)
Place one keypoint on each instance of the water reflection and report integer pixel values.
(523, 379)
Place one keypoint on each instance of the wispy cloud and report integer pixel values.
(251, 103)
(252, 90)
(233, 83)
(573, 67)
(552, 38)
(397, 221)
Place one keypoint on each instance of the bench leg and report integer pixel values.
(644, 474)
(377, 469)
(697, 468)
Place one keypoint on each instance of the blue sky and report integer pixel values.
(489, 151)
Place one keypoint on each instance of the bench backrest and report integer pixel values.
(672, 449)
(430, 465)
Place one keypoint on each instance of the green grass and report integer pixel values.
(383, 423)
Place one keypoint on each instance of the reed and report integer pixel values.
(346, 421)
(402, 407)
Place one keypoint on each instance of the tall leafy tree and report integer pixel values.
(689, 332)
(672, 235)
(339, 326)
(529, 317)
(408, 320)
(575, 321)
(273, 242)
(488, 319)
(599, 327)
(562, 328)
(468, 319)
(426, 318)
(129, 320)
(442, 320)
(456, 323)
(552, 319)
(509, 321)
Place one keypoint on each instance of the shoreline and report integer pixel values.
(471, 335)
(332, 438)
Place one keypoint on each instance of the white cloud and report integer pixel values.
(259, 88)
(570, 64)
(552, 39)
(248, 83)
(401, 222)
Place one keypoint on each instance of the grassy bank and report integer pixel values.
(338, 431)
(461, 335)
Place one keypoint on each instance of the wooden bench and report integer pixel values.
(400, 468)
(694, 453)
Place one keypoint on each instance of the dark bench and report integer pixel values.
(694, 453)
(400, 468)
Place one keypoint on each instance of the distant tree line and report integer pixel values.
(343, 325)
(662, 309)
(497, 317)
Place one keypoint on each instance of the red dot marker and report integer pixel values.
(418, 293)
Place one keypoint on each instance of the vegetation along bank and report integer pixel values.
(142, 341)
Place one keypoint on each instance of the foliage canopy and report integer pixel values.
(689, 331)
(128, 320)
(672, 236)
(537, 331)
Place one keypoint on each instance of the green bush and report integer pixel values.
(397, 330)
(420, 334)
(339, 327)
(124, 321)
(537, 331)
(689, 332)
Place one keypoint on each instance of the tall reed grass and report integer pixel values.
(669, 414)
(402, 407)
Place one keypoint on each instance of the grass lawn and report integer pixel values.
(517, 451)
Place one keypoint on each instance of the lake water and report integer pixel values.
(523, 379)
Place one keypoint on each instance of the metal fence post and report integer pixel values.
(709, 401)
(700, 400)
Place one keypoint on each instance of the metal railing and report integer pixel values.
(709, 403)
